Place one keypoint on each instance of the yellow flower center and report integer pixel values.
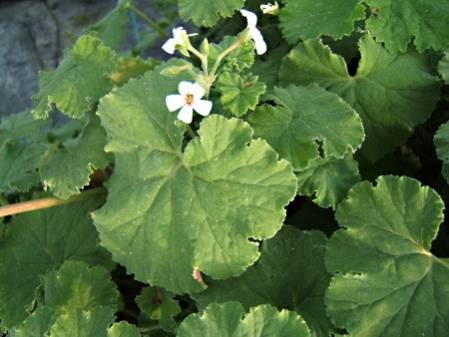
(189, 99)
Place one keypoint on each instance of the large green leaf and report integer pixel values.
(387, 282)
(290, 274)
(392, 93)
(399, 22)
(328, 180)
(169, 210)
(441, 141)
(309, 19)
(307, 120)
(207, 12)
(79, 82)
(239, 93)
(38, 242)
(229, 320)
(66, 168)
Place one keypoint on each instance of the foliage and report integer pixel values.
(275, 212)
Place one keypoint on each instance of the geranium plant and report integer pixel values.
(281, 171)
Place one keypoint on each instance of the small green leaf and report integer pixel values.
(396, 23)
(80, 80)
(382, 264)
(38, 242)
(159, 305)
(328, 180)
(80, 323)
(310, 19)
(131, 67)
(237, 60)
(305, 119)
(443, 68)
(392, 93)
(290, 274)
(123, 329)
(229, 320)
(239, 93)
(220, 190)
(205, 12)
(113, 27)
(441, 141)
(66, 168)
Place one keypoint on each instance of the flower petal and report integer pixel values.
(197, 91)
(185, 88)
(261, 45)
(203, 107)
(175, 102)
(178, 33)
(186, 114)
(251, 18)
(169, 46)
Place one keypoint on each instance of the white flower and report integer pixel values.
(180, 40)
(255, 34)
(189, 100)
(270, 9)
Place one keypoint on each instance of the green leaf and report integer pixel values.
(396, 23)
(36, 324)
(239, 93)
(205, 12)
(229, 320)
(123, 329)
(328, 180)
(112, 29)
(392, 93)
(77, 286)
(41, 241)
(443, 67)
(223, 189)
(19, 165)
(79, 323)
(441, 141)
(159, 305)
(80, 80)
(131, 67)
(237, 60)
(306, 120)
(290, 274)
(309, 19)
(387, 282)
(22, 127)
(66, 168)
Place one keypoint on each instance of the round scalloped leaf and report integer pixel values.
(384, 269)
(206, 12)
(305, 120)
(79, 82)
(443, 68)
(399, 22)
(392, 93)
(38, 242)
(171, 212)
(229, 320)
(301, 289)
(239, 93)
(328, 180)
(123, 329)
(309, 19)
(441, 141)
(66, 168)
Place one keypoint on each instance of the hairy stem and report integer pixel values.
(38, 204)
(153, 24)
(223, 54)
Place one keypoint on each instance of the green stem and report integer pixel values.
(190, 131)
(38, 204)
(223, 54)
(153, 24)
